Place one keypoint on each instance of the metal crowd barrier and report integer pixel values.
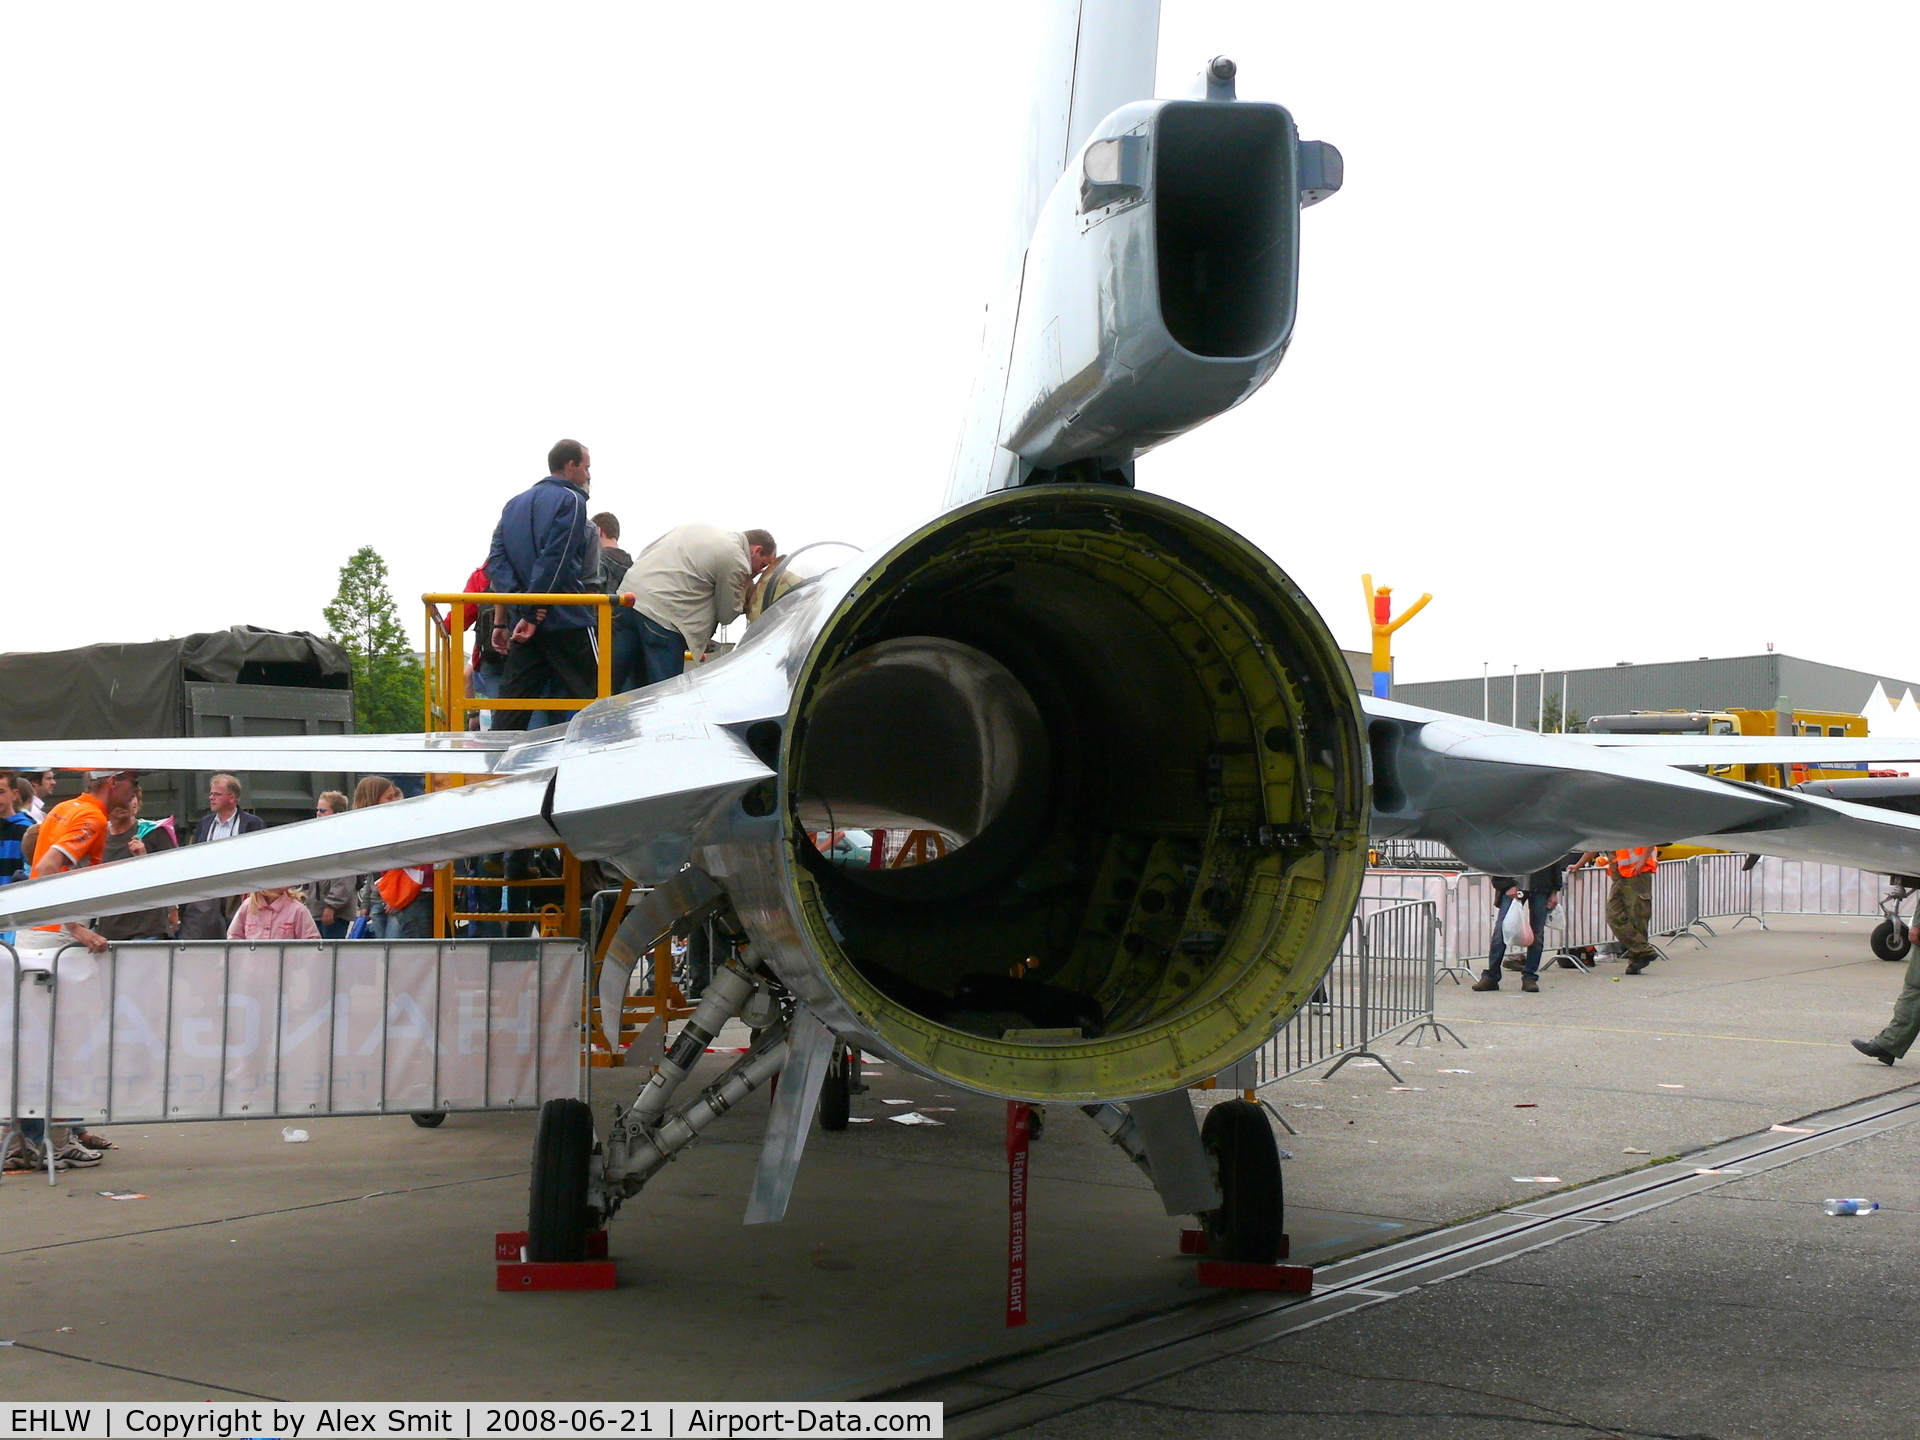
(216, 1030)
(1804, 887)
(1687, 894)
(1382, 979)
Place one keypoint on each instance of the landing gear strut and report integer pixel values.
(1250, 1224)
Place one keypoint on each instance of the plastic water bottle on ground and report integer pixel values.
(1852, 1207)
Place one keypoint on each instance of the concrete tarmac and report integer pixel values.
(358, 1265)
(1744, 1313)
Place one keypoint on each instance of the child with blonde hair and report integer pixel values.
(280, 914)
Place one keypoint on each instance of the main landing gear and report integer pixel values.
(1250, 1224)
(836, 1090)
(1889, 940)
(558, 1215)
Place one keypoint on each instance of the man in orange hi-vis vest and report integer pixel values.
(1630, 901)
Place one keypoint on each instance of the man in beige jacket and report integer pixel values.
(687, 584)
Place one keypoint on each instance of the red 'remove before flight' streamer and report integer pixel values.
(1019, 1118)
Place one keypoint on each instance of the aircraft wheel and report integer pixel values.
(558, 1217)
(836, 1091)
(1036, 1121)
(428, 1119)
(1252, 1216)
(1889, 941)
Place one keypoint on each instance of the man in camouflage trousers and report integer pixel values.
(1630, 901)
(1894, 1041)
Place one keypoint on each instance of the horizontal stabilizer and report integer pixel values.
(476, 819)
(460, 753)
(1835, 832)
(1756, 749)
(1510, 801)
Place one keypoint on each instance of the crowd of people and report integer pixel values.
(685, 585)
(104, 823)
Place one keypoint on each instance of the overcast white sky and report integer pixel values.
(1607, 342)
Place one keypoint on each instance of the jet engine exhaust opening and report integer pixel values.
(1117, 705)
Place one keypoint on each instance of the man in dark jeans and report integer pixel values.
(546, 545)
(1540, 892)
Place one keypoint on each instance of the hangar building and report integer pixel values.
(1744, 682)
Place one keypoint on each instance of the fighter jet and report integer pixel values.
(1154, 773)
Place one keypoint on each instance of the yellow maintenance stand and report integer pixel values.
(447, 706)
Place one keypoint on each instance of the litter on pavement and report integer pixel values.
(914, 1117)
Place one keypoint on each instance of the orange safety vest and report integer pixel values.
(1641, 860)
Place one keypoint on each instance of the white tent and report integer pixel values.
(1905, 722)
(1879, 713)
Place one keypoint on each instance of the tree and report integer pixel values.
(1553, 725)
(386, 673)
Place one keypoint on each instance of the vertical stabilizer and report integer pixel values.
(1095, 56)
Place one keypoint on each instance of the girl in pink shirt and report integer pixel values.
(273, 915)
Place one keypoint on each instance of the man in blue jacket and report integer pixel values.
(546, 545)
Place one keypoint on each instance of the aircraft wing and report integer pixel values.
(1510, 800)
(461, 753)
(506, 813)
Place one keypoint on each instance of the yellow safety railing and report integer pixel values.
(447, 701)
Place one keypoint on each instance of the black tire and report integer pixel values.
(1036, 1122)
(429, 1119)
(1250, 1224)
(558, 1217)
(1889, 941)
(836, 1096)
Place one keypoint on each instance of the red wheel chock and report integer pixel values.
(513, 1271)
(1239, 1275)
